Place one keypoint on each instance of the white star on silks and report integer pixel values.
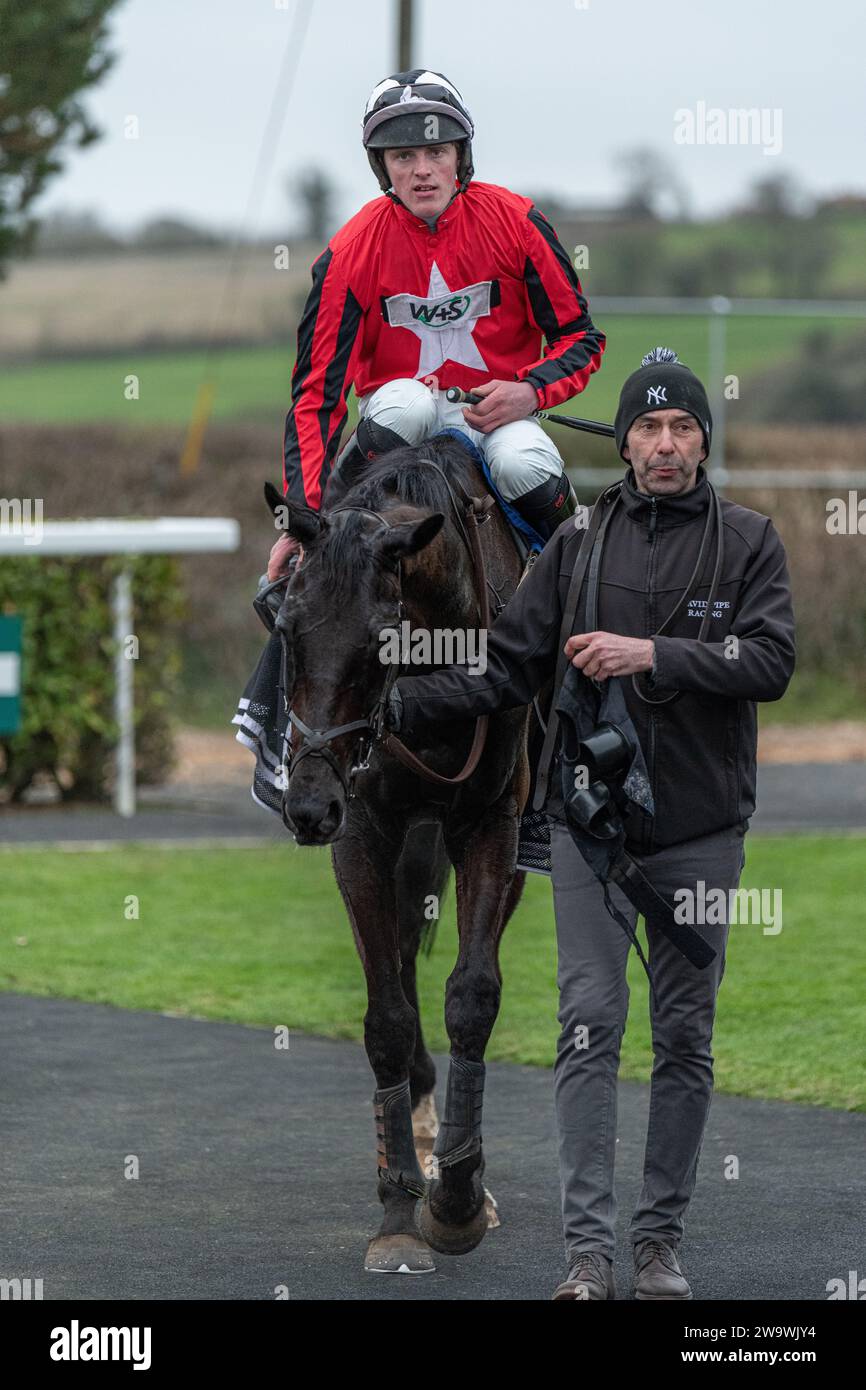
(441, 344)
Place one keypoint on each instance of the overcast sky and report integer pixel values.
(556, 89)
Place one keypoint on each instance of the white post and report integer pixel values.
(124, 788)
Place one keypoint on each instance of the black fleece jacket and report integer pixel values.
(701, 749)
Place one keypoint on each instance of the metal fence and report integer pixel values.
(717, 310)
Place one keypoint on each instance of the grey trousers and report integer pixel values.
(593, 1004)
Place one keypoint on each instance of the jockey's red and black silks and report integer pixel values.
(462, 304)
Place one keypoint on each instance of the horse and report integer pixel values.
(417, 540)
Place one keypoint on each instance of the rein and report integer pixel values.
(372, 729)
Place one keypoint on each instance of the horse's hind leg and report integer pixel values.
(363, 864)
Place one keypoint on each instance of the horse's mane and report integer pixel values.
(404, 475)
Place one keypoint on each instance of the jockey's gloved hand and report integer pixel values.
(394, 711)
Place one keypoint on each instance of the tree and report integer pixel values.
(316, 193)
(173, 234)
(798, 247)
(49, 53)
(71, 232)
(774, 198)
(651, 186)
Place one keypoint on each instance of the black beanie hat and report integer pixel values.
(662, 382)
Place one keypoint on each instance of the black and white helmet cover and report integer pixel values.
(417, 108)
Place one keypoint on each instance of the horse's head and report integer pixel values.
(339, 604)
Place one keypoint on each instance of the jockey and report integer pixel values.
(443, 282)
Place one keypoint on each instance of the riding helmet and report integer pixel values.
(398, 115)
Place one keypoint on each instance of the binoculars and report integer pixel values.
(605, 753)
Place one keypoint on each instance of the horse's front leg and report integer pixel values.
(364, 868)
(453, 1218)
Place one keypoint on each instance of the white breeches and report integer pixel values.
(520, 456)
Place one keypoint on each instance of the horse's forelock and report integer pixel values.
(347, 552)
(404, 475)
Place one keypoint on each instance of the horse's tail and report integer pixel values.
(427, 939)
(423, 861)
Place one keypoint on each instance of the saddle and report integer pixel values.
(526, 539)
(527, 542)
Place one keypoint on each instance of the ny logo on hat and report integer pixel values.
(656, 394)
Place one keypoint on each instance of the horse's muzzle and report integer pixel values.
(314, 820)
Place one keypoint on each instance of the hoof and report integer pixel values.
(452, 1240)
(492, 1209)
(399, 1254)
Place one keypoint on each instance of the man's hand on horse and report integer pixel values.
(503, 402)
(281, 552)
(604, 654)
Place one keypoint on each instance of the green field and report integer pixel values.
(261, 937)
(253, 383)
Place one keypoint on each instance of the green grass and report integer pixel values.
(813, 697)
(253, 383)
(261, 937)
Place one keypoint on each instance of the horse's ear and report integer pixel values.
(301, 522)
(408, 537)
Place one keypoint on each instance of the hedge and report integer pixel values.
(67, 727)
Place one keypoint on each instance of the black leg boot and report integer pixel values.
(348, 468)
(547, 505)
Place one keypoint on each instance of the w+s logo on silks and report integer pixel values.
(441, 310)
(442, 313)
(656, 394)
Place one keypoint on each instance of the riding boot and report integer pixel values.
(348, 468)
(547, 505)
(365, 445)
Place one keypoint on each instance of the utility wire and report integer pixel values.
(230, 294)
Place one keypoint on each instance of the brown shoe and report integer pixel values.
(657, 1274)
(590, 1276)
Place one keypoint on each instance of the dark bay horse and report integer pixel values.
(395, 550)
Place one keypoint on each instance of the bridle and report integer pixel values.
(317, 742)
(372, 731)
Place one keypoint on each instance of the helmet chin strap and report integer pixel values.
(465, 172)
